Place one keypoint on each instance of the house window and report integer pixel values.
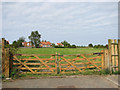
(27, 44)
(22, 43)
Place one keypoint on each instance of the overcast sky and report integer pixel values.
(78, 23)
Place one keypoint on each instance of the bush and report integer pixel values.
(59, 47)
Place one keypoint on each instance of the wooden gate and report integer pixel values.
(80, 63)
(35, 63)
(40, 63)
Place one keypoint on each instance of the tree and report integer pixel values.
(73, 46)
(53, 44)
(18, 43)
(20, 40)
(66, 44)
(90, 45)
(15, 44)
(35, 38)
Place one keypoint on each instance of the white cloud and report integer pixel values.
(60, 0)
(59, 19)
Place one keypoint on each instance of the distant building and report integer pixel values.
(45, 44)
(59, 44)
(27, 44)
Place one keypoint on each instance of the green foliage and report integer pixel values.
(73, 46)
(35, 38)
(3, 76)
(66, 44)
(15, 44)
(87, 72)
(53, 45)
(13, 50)
(20, 40)
(100, 46)
(18, 43)
(90, 45)
(58, 46)
(15, 73)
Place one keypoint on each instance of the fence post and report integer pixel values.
(10, 61)
(119, 56)
(7, 62)
(56, 62)
(106, 59)
(102, 58)
(3, 55)
(110, 59)
(5, 59)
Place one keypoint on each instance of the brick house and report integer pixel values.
(45, 44)
(59, 44)
(27, 44)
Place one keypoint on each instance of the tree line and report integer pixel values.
(35, 40)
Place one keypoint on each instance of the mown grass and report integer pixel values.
(62, 51)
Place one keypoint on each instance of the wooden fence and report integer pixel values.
(114, 54)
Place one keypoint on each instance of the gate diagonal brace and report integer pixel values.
(24, 64)
(44, 63)
(72, 64)
(90, 61)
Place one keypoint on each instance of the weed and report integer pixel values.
(15, 73)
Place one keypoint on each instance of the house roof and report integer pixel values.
(59, 44)
(45, 43)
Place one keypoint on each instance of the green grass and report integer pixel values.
(65, 51)
(68, 74)
(62, 51)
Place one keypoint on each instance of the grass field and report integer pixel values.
(65, 51)
(62, 51)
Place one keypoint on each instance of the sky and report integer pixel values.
(78, 23)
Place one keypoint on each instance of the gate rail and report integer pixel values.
(57, 63)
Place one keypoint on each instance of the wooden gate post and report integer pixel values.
(110, 57)
(119, 56)
(5, 59)
(102, 58)
(3, 56)
(7, 62)
(106, 59)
